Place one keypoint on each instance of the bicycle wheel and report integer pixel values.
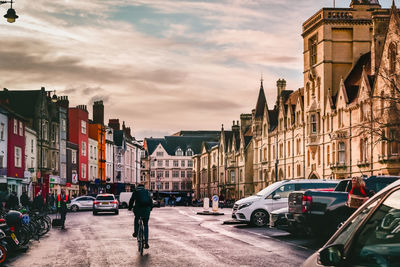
(44, 227)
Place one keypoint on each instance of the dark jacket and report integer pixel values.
(24, 200)
(62, 201)
(141, 211)
(12, 202)
(38, 203)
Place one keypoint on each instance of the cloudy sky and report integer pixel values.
(159, 65)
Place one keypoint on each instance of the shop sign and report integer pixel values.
(54, 179)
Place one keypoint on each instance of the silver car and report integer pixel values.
(105, 203)
(81, 203)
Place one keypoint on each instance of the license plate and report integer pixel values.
(104, 203)
(14, 237)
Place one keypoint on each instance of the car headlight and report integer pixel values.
(244, 205)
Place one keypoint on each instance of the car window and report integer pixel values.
(80, 199)
(302, 187)
(378, 243)
(341, 187)
(346, 232)
(283, 191)
(105, 198)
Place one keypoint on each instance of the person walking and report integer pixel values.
(142, 204)
(12, 202)
(24, 199)
(38, 202)
(62, 201)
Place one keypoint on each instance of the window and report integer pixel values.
(288, 148)
(2, 131)
(364, 149)
(176, 163)
(232, 177)
(175, 185)
(333, 153)
(281, 150)
(392, 58)
(313, 123)
(91, 151)
(175, 174)
(152, 164)
(160, 174)
(45, 131)
(31, 145)
(63, 125)
(190, 163)
(83, 127)
(327, 124)
(83, 152)
(15, 126)
(189, 174)
(166, 185)
(152, 185)
(166, 174)
(166, 163)
(160, 154)
(189, 152)
(298, 170)
(394, 142)
(183, 186)
(182, 163)
(73, 156)
(152, 174)
(312, 43)
(298, 146)
(342, 152)
(327, 155)
(83, 171)
(283, 191)
(18, 156)
(159, 163)
(183, 174)
(179, 152)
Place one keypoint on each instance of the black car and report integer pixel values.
(370, 237)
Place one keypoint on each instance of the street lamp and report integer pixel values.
(11, 15)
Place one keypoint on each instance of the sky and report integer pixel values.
(159, 65)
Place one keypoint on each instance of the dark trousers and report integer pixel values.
(146, 227)
(63, 215)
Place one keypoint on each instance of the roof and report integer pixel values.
(353, 80)
(273, 119)
(210, 145)
(261, 101)
(172, 143)
(197, 133)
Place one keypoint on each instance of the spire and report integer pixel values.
(261, 101)
(262, 80)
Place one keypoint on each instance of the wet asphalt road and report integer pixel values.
(178, 237)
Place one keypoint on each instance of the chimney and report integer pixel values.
(245, 121)
(82, 107)
(98, 112)
(281, 86)
(63, 102)
(114, 124)
(235, 127)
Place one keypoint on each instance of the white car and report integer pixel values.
(256, 209)
(81, 203)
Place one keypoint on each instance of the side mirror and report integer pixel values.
(331, 255)
(276, 197)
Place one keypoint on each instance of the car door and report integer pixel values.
(281, 195)
(85, 201)
(89, 202)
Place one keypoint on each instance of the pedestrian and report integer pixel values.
(38, 202)
(12, 202)
(62, 201)
(173, 200)
(24, 199)
(51, 202)
(142, 204)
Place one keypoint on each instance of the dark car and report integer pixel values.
(370, 237)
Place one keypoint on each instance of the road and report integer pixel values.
(178, 237)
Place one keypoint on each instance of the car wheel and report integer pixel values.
(124, 205)
(259, 218)
(116, 212)
(74, 208)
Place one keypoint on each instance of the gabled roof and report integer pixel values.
(273, 119)
(261, 101)
(197, 133)
(353, 80)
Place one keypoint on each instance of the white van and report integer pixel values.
(124, 198)
(255, 209)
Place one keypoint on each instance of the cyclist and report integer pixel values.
(142, 205)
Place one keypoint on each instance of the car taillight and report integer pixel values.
(96, 202)
(306, 203)
(114, 202)
(12, 228)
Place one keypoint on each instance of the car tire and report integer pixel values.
(259, 218)
(124, 205)
(94, 212)
(116, 212)
(74, 208)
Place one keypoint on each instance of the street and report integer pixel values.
(178, 237)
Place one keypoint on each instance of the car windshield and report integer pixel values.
(105, 198)
(267, 190)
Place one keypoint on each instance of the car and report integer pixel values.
(255, 209)
(124, 198)
(81, 203)
(105, 203)
(370, 237)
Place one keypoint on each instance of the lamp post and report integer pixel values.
(11, 15)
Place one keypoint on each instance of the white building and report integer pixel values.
(109, 155)
(3, 145)
(93, 159)
(30, 160)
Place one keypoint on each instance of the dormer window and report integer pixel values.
(179, 152)
(189, 152)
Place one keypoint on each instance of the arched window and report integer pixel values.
(179, 152)
(392, 58)
(189, 152)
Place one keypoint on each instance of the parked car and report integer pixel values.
(81, 203)
(317, 212)
(105, 203)
(370, 237)
(124, 198)
(255, 209)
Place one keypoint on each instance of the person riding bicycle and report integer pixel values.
(142, 205)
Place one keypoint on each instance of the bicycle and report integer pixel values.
(140, 236)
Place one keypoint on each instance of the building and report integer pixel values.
(72, 168)
(30, 161)
(3, 144)
(109, 154)
(93, 173)
(63, 105)
(78, 133)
